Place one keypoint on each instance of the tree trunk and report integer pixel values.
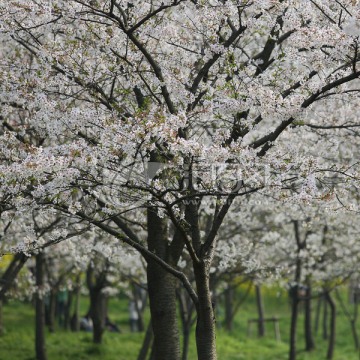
(97, 313)
(229, 302)
(40, 310)
(294, 315)
(205, 326)
(11, 272)
(260, 308)
(1, 318)
(76, 316)
(309, 339)
(146, 345)
(162, 293)
(317, 316)
(353, 322)
(325, 319)
(67, 313)
(330, 351)
(52, 311)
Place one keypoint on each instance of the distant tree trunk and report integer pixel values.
(76, 316)
(325, 320)
(294, 292)
(40, 310)
(294, 316)
(229, 302)
(1, 318)
(162, 293)
(97, 313)
(67, 313)
(146, 345)
(140, 303)
(205, 326)
(309, 339)
(317, 316)
(186, 315)
(331, 346)
(98, 302)
(52, 310)
(260, 309)
(352, 318)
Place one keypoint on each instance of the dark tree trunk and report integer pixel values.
(205, 326)
(294, 317)
(11, 272)
(52, 311)
(146, 345)
(309, 339)
(325, 320)
(1, 318)
(67, 313)
(317, 316)
(229, 302)
(76, 317)
(40, 310)
(98, 313)
(331, 346)
(162, 293)
(186, 307)
(260, 309)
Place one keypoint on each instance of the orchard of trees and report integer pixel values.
(179, 147)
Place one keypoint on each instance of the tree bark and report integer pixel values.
(205, 326)
(40, 348)
(309, 339)
(162, 293)
(331, 346)
(260, 308)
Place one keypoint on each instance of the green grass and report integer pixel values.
(18, 341)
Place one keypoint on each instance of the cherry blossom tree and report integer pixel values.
(200, 96)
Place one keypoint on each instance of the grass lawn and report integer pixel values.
(18, 341)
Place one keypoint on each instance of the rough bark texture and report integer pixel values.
(260, 309)
(40, 348)
(205, 326)
(162, 293)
